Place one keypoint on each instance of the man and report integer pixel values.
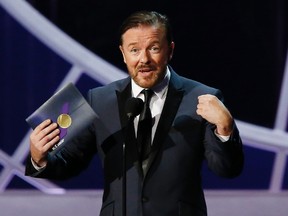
(189, 124)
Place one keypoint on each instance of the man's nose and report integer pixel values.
(145, 57)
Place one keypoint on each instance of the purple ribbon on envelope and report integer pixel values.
(64, 110)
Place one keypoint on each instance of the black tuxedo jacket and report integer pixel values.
(183, 139)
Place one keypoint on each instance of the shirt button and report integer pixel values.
(145, 199)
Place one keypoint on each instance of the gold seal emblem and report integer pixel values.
(64, 120)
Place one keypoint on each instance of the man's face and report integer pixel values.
(146, 53)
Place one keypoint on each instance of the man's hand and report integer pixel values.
(43, 137)
(214, 111)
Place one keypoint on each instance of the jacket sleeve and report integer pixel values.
(226, 159)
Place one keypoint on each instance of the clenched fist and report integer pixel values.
(215, 112)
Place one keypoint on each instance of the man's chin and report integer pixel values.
(145, 83)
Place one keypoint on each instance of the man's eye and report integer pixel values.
(134, 50)
(155, 49)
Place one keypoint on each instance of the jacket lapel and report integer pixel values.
(173, 100)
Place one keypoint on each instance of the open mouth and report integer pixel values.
(145, 70)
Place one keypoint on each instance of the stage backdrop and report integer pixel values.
(239, 47)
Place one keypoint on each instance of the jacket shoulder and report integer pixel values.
(192, 86)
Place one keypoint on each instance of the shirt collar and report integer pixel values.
(159, 89)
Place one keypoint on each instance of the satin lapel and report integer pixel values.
(173, 100)
(122, 97)
(132, 155)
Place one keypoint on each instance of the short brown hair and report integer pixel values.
(146, 18)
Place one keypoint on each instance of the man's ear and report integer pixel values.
(123, 55)
(172, 46)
